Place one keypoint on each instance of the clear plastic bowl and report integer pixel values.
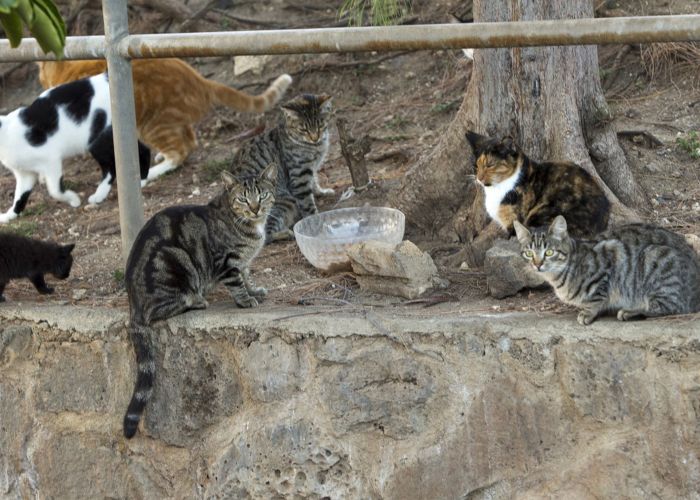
(324, 238)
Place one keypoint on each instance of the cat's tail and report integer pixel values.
(141, 337)
(240, 101)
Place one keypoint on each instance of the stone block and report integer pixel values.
(401, 270)
(507, 272)
(280, 458)
(271, 369)
(196, 385)
(15, 342)
(382, 390)
(72, 377)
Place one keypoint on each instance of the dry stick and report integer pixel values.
(327, 67)
(188, 23)
(354, 151)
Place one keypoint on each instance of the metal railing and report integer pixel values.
(117, 46)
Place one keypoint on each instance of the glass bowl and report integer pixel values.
(324, 238)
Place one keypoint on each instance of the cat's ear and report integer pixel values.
(557, 228)
(324, 100)
(522, 233)
(67, 249)
(475, 140)
(228, 179)
(270, 173)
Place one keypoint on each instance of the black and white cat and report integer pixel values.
(64, 121)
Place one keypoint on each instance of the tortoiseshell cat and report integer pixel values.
(299, 145)
(22, 257)
(533, 193)
(635, 270)
(170, 97)
(181, 254)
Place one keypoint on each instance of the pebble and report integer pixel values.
(79, 293)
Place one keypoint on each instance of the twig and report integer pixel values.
(354, 151)
(326, 67)
(306, 301)
(188, 23)
(246, 20)
(312, 313)
(387, 154)
(246, 134)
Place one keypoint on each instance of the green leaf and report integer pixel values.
(12, 24)
(46, 34)
(7, 5)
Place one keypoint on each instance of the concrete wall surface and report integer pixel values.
(384, 403)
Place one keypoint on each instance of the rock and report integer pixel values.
(254, 64)
(403, 270)
(694, 241)
(79, 293)
(506, 271)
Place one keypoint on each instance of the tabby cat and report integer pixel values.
(170, 97)
(22, 257)
(518, 188)
(298, 144)
(181, 254)
(636, 270)
(67, 120)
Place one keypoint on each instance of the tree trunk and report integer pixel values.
(549, 99)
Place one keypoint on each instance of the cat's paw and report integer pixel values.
(7, 217)
(626, 315)
(247, 302)
(285, 234)
(258, 291)
(586, 318)
(94, 199)
(2, 298)
(159, 157)
(73, 199)
(144, 183)
(47, 290)
(319, 191)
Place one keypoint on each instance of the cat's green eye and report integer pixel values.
(528, 254)
(549, 253)
(264, 196)
(241, 199)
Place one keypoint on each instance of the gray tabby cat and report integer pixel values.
(181, 254)
(637, 270)
(299, 145)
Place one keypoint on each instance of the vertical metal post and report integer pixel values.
(121, 92)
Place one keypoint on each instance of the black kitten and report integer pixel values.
(22, 257)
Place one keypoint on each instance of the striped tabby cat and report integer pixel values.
(518, 188)
(299, 145)
(181, 254)
(637, 270)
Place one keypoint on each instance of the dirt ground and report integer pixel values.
(403, 101)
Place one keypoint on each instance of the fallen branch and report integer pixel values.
(189, 22)
(651, 140)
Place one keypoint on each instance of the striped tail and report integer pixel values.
(240, 101)
(141, 336)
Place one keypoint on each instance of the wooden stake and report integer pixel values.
(354, 152)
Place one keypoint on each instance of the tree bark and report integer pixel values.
(549, 99)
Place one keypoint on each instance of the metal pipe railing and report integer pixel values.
(419, 37)
(118, 46)
(121, 93)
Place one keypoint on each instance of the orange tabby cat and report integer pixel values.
(170, 97)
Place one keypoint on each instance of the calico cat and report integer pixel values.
(636, 270)
(299, 145)
(181, 254)
(22, 257)
(67, 120)
(170, 98)
(518, 188)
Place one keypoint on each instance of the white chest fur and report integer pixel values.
(494, 195)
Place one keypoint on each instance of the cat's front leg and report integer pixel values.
(54, 184)
(2, 289)
(283, 214)
(318, 190)
(39, 283)
(234, 281)
(255, 291)
(24, 184)
(305, 201)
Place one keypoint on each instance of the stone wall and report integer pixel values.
(286, 404)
